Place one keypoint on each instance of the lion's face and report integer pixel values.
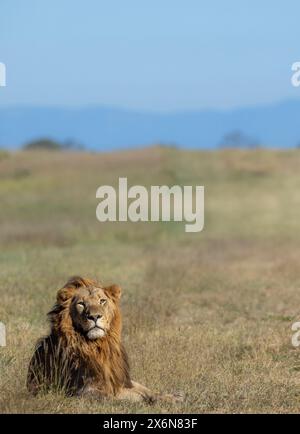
(92, 310)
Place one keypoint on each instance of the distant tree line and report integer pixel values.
(233, 139)
(53, 145)
(237, 139)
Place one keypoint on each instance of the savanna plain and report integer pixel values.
(208, 313)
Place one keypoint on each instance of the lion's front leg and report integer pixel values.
(136, 393)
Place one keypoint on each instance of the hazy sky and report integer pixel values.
(158, 55)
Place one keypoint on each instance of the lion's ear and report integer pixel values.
(113, 291)
(64, 294)
(67, 291)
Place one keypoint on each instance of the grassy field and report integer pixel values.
(209, 313)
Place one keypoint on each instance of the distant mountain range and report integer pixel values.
(105, 128)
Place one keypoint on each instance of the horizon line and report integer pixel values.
(147, 110)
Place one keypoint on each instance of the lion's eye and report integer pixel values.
(102, 301)
(80, 303)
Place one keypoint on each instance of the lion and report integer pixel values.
(83, 354)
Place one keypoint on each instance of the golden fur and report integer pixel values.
(83, 353)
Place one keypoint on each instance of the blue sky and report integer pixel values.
(158, 55)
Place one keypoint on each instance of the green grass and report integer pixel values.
(207, 313)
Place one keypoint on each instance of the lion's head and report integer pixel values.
(90, 308)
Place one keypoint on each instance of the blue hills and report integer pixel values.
(106, 128)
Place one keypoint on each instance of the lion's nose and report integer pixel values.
(94, 317)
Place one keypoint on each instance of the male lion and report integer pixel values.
(83, 354)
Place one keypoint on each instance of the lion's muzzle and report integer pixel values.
(96, 329)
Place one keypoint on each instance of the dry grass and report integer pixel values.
(209, 314)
